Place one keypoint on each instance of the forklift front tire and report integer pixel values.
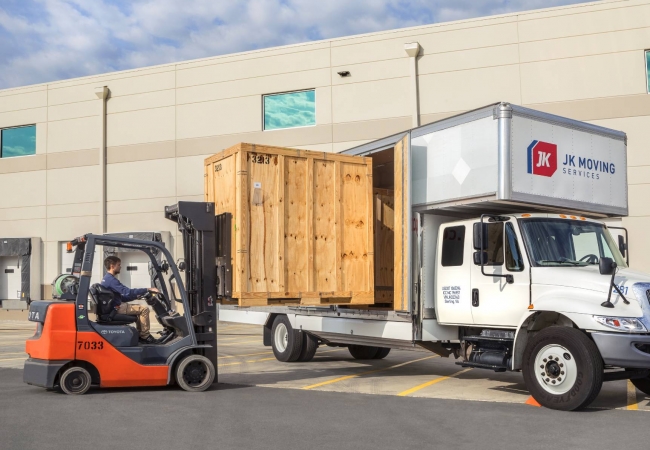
(75, 381)
(195, 373)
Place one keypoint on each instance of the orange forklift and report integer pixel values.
(72, 352)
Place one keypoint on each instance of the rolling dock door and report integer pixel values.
(20, 272)
(135, 264)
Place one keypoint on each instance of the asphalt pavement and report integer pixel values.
(247, 417)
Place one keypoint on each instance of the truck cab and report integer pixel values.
(549, 294)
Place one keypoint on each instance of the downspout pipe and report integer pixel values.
(412, 49)
(102, 94)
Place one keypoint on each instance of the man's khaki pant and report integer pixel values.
(143, 317)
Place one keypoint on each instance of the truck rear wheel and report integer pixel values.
(363, 351)
(382, 352)
(563, 368)
(75, 381)
(309, 347)
(642, 384)
(286, 342)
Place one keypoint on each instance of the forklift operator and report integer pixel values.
(123, 294)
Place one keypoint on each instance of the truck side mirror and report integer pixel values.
(480, 233)
(477, 258)
(622, 246)
(607, 266)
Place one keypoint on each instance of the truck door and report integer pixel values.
(495, 301)
(453, 282)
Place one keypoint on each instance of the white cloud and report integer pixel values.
(46, 40)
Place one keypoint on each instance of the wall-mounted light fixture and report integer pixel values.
(344, 73)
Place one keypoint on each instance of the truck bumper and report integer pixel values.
(624, 350)
(40, 372)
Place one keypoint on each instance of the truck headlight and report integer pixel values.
(628, 324)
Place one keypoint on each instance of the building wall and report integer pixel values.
(582, 61)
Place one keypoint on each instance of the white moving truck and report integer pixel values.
(507, 264)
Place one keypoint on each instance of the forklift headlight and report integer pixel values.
(627, 324)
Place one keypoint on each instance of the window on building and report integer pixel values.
(453, 244)
(289, 110)
(18, 141)
(647, 69)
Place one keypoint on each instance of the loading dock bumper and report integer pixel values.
(40, 372)
(624, 350)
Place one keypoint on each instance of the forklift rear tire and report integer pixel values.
(195, 373)
(562, 368)
(309, 347)
(382, 353)
(363, 351)
(75, 381)
(285, 341)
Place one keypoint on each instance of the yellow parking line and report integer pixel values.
(429, 383)
(242, 362)
(13, 359)
(347, 377)
(247, 354)
(237, 343)
(632, 403)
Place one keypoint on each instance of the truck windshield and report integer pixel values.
(562, 242)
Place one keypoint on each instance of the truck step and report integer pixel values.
(487, 338)
(482, 366)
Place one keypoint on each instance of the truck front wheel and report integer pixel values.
(563, 368)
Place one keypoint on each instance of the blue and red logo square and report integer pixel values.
(542, 158)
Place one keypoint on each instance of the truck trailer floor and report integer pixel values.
(243, 360)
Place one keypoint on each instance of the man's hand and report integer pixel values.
(154, 290)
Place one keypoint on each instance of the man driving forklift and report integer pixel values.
(123, 294)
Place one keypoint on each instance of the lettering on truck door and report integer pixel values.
(501, 303)
(453, 296)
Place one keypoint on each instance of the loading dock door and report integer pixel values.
(9, 278)
(66, 260)
(135, 270)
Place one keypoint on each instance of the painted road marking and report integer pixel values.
(347, 377)
(632, 403)
(431, 382)
(244, 362)
(13, 359)
(247, 354)
(238, 343)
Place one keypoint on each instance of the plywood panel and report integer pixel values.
(295, 224)
(384, 238)
(263, 243)
(355, 227)
(401, 200)
(325, 203)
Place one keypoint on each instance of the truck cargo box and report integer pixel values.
(497, 159)
(302, 224)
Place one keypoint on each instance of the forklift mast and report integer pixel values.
(196, 223)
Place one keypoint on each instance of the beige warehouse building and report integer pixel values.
(110, 151)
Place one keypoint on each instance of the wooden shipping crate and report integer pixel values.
(302, 227)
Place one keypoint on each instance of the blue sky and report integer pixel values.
(47, 40)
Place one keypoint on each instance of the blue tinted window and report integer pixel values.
(647, 68)
(292, 109)
(19, 141)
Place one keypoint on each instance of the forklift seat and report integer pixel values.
(106, 314)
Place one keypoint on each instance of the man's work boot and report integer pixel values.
(148, 340)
